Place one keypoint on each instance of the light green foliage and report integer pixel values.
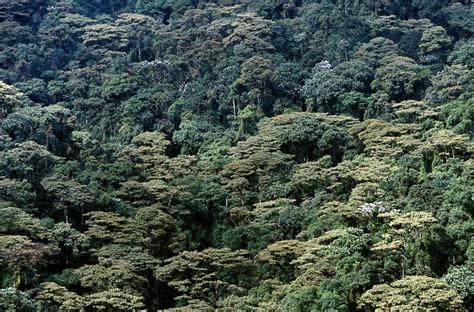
(105, 35)
(10, 99)
(400, 77)
(198, 275)
(110, 274)
(250, 32)
(67, 194)
(160, 229)
(449, 144)
(114, 300)
(29, 161)
(382, 139)
(257, 73)
(71, 241)
(16, 221)
(106, 228)
(137, 257)
(353, 240)
(459, 115)
(414, 111)
(52, 294)
(463, 54)
(449, 84)
(42, 125)
(411, 292)
(410, 221)
(376, 50)
(140, 29)
(18, 253)
(461, 279)
(433, 40)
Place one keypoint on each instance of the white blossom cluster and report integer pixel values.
(183, 87)
(428, 59)
(368, 210)
(325, 64)
(8, 290)
(154, 63)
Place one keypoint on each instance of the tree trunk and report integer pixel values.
(16, 278)
(235, 109)
(66, 217)
(139, 48)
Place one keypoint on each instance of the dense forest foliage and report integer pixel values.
(236, 155)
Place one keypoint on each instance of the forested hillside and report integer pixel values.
(236, 155)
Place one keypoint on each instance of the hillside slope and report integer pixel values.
(236, 155)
